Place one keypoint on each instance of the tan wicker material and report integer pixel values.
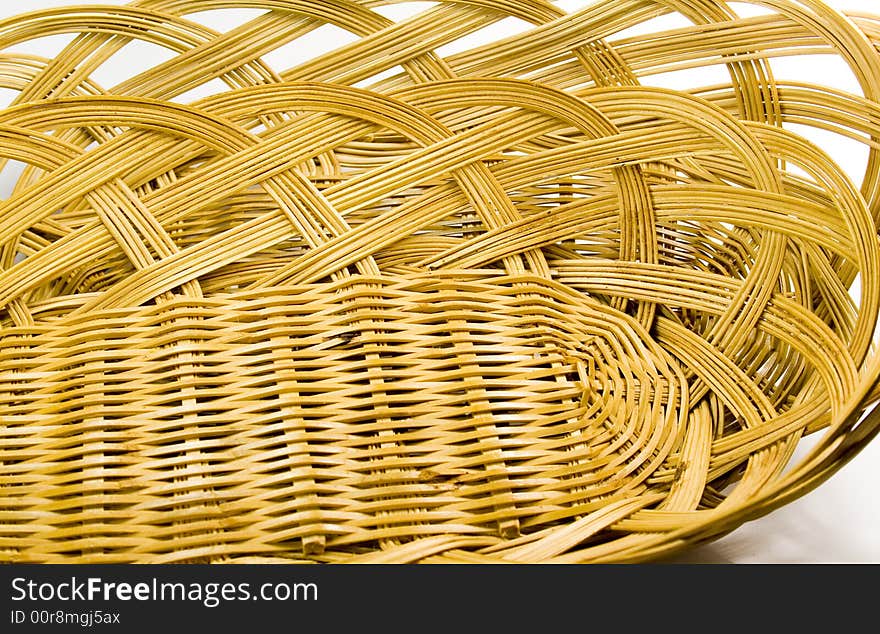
(403, 302)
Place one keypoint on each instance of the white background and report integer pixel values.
(839, 521)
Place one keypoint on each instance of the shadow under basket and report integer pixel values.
(506, 304)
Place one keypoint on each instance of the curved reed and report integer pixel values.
(394, 305)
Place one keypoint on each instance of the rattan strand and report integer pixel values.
(396, 304)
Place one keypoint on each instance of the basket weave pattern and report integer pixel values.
(396, 304)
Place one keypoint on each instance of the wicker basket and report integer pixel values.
(402, 303)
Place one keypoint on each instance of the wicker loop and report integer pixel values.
(503, 304)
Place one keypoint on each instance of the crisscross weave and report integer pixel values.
(420, 299)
